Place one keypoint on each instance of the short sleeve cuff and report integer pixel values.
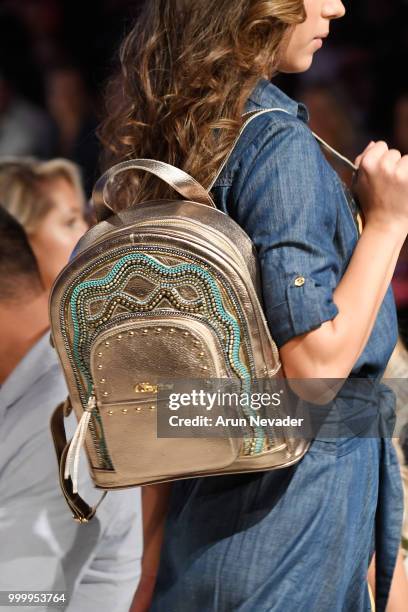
(306, 307)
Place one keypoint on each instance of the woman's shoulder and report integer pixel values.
(267, 123)
(275, 111)
(275, 128)
(277, 134)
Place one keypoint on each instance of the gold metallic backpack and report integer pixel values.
(166, 289)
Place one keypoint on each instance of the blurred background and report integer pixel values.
(55, 56)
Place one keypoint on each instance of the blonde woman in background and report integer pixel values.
(48, 200)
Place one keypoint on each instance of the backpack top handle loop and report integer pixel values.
(179, 180)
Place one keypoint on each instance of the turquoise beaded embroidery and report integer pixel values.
(110, 290)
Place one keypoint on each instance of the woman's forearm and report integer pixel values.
(332, 350)
(363, 287)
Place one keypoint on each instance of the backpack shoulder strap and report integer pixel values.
(81, 511)
(250, 116)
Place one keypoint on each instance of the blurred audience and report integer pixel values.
(24, 128)
(44, 22)
(48, 200)
(70, 106)
(97, 565)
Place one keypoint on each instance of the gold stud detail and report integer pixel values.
(120, 337)
(125, 410)
(99, 354)
(138, 409)
(201, 354)
(172, 330)
(105, 393)
(197, 343)
(158, 330)
(107, 343)
(204, 368)
(110, 412)
(131, 333)
(100, 367)
(102, 380)
(186, 334)
(299, 281)
(152, 407)
(145, 331)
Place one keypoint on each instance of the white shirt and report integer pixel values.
(41, 547)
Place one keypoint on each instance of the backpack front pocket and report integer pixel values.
(127, 365)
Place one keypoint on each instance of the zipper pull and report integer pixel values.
(91, 402)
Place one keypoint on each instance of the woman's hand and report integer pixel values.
(382, 186)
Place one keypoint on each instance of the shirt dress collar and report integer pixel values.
(267, 95)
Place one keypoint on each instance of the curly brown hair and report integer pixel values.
(186, 70)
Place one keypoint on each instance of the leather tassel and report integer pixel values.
(77, 442)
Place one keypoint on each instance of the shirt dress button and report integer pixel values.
(299, 281)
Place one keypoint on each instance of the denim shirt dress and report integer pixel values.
(299, 538)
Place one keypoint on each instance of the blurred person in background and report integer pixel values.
(48, 200)
(70, 106)
(24, 128)
(44, 22)
(97, 565)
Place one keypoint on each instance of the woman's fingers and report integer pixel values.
(389, 161)
(371, 158)
(402, 168)
(382, 185)
(401, 172)
(359, 158)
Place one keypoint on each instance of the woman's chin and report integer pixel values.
(299, 65)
